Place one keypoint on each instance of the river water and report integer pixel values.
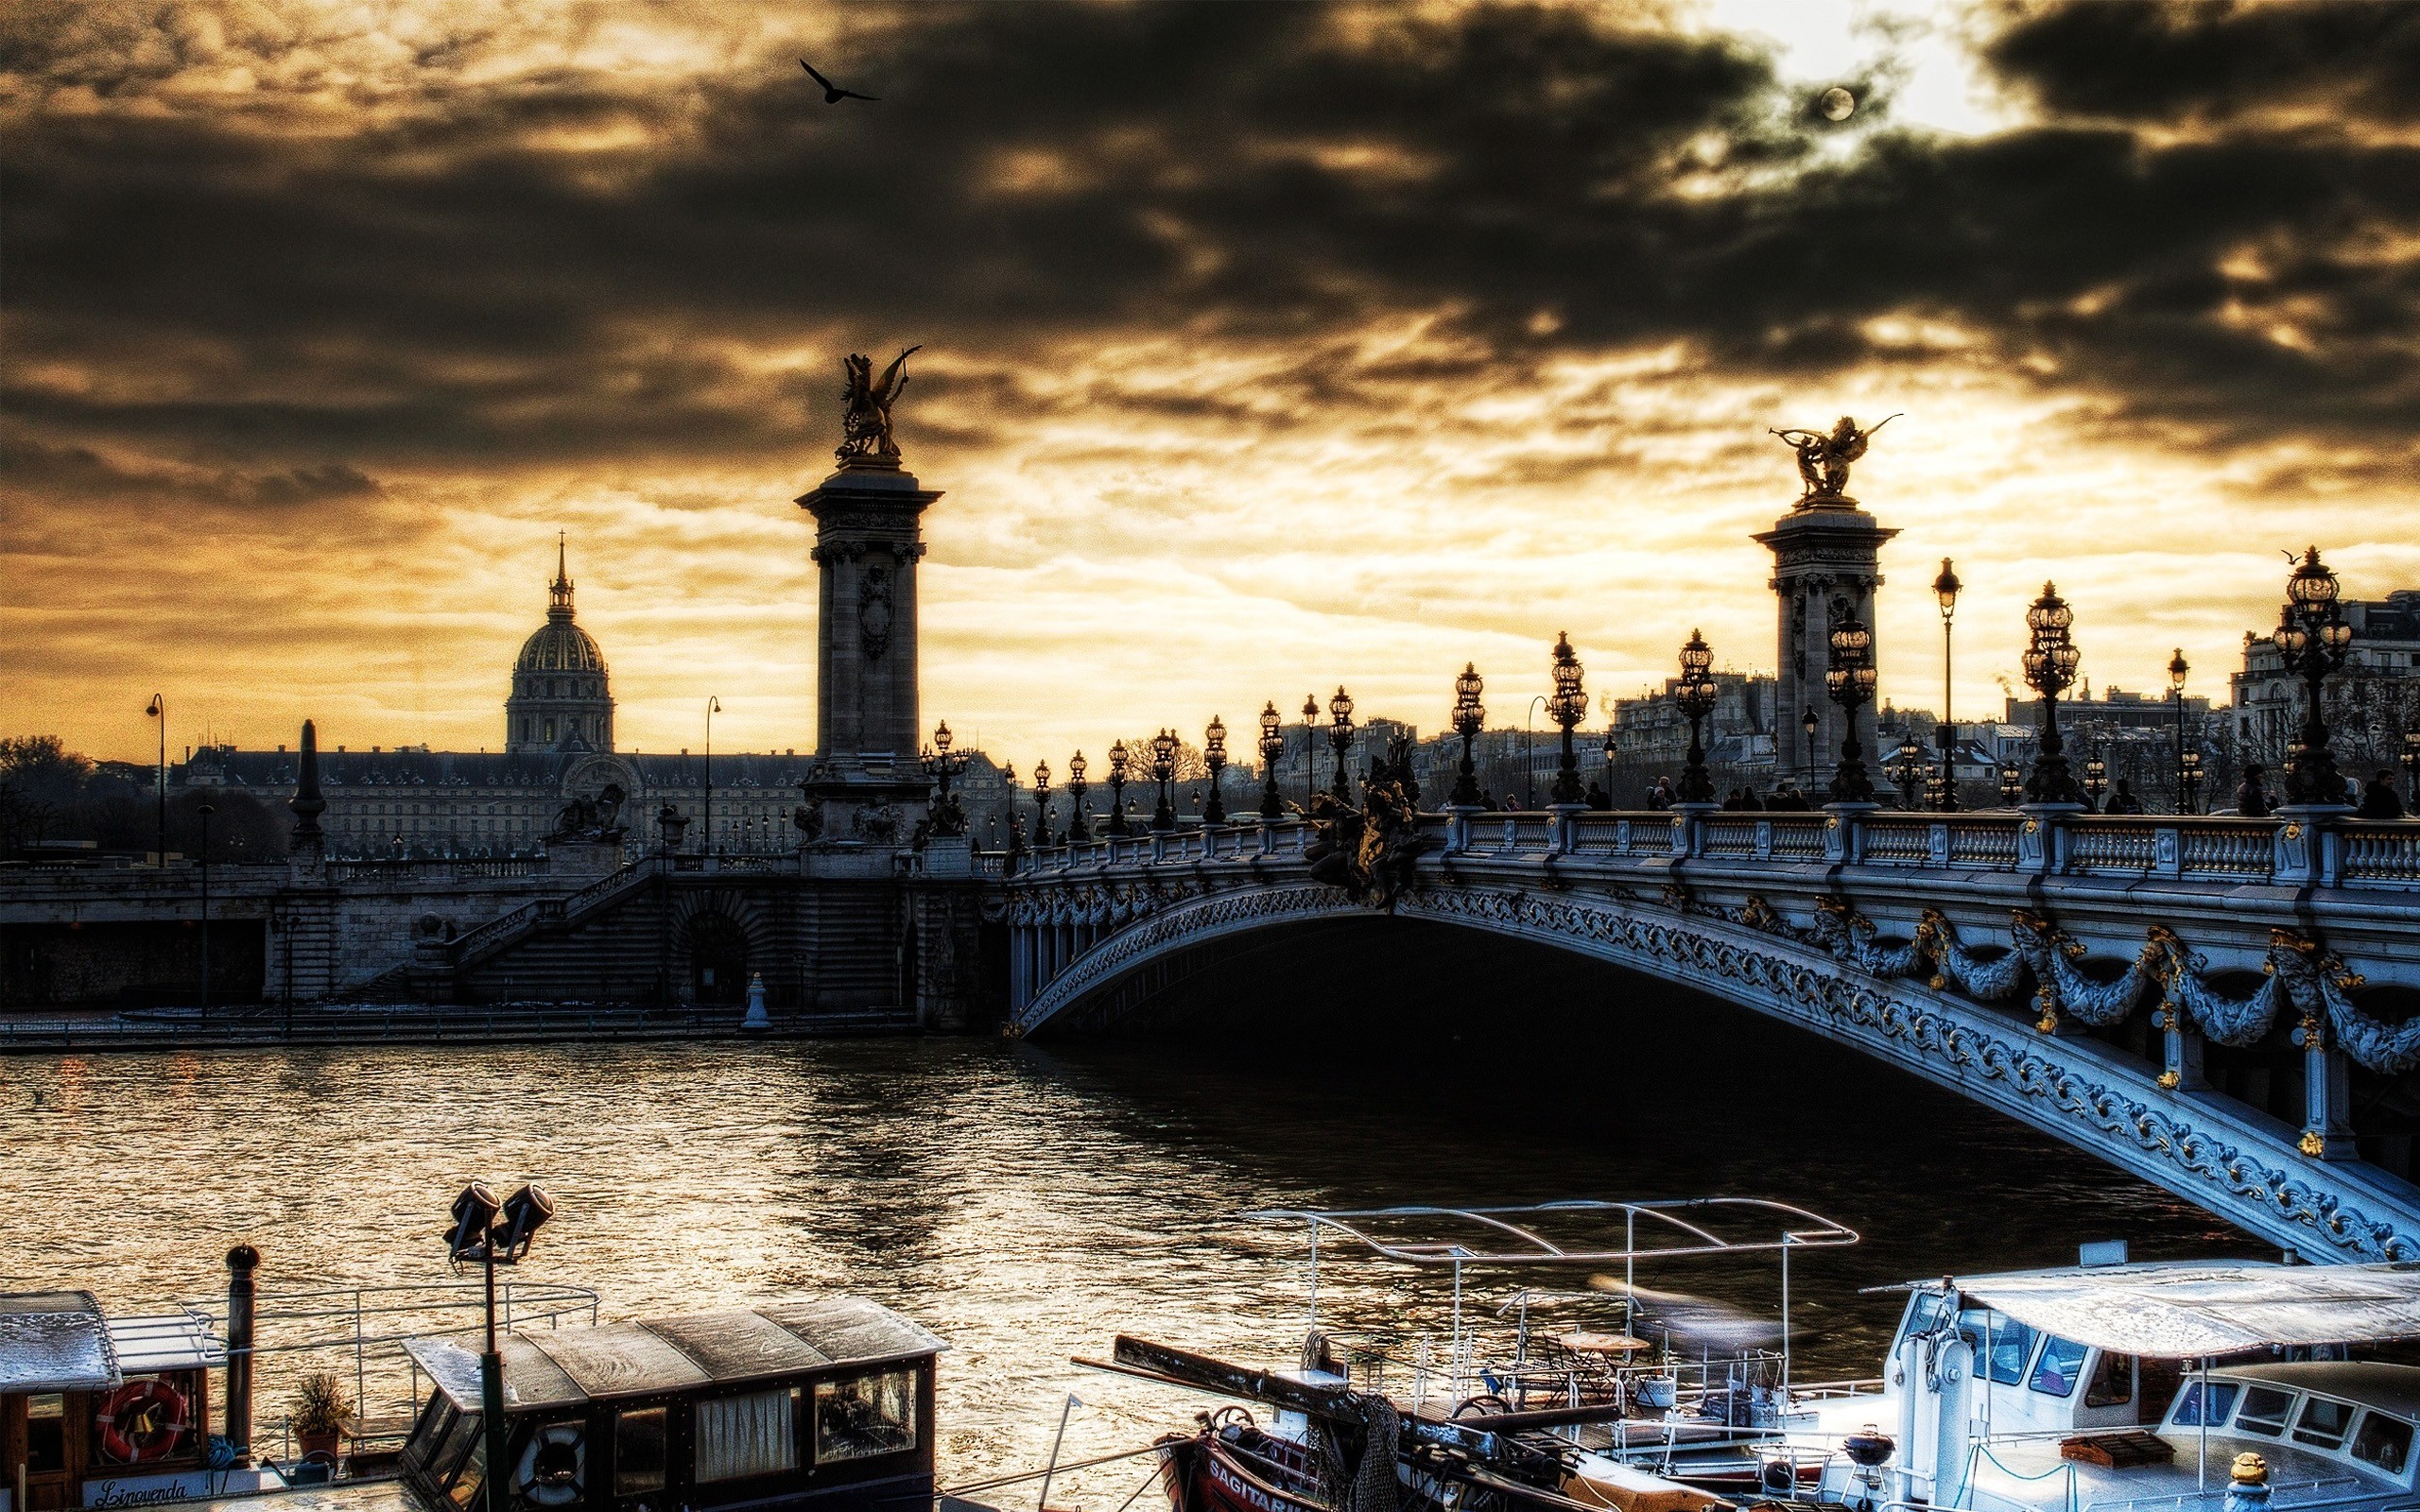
(1027, 1202)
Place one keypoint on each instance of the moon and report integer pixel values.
(1837, 104)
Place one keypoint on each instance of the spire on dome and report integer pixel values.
(559, 591)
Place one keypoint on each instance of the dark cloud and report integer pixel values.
(2213, 61)
(451, 280)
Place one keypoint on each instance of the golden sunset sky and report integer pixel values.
(1267, 347)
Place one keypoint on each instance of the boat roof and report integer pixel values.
(2370, 1382)
(2183, 1310)
(165, 1341)
(54, 1341)
(553, 1367)
(1521, 1236)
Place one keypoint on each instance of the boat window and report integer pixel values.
(2061, 1362)
(2012, 1346)
(754, 1434)
(464, 1492)
(865, 1415)
(2113, 1381)
(2188, 1403)
(436, 1422)
(639, 1450)
(461, 1430)
(45, 1432)
(1924, 1313)
(2322, 1423)
(2265, 1409)
(2383, 1441)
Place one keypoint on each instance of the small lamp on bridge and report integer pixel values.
(1696, 696)
(1041, 805)
(1850, 683)
(1214, 753)
(2012, 784)
(1340, 736)
(1077, 829)
(1163, 778)
(1117, 762)
(2096, 777)
(1470, 716)
(1272, 746)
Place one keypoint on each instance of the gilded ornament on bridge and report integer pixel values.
(865, 422)
(1824, 459)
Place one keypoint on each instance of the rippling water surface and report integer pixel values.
(1026, 1202)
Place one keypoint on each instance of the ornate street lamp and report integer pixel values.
(2051, 658)
(1568, 705)
(1906, 769)
(2312, 633)
(1613, 747)
(1041, 805)
(1272, 746)
(1809, 723)
(1164, 773)
(2012, 784)
(2411, 763)
(944, 767)
(1850, 684)
(2096, 777)
(1117, 763)
(159, 709)
(1470, 717)
(1310, 746)
(1078, 829)
(1944, 592)
(1696, 696)
(1339, 734)
(2177, 668)
(2189, 782)
(1214, 753)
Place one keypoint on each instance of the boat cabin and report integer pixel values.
(825, 1404)
(2122, 1383)
(97, 1411)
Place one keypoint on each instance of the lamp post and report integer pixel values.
(1339, 734)
(2051, 658)
(1041, 805)
(713, 707)
(1272, 745)
(1944, 592)
(1567, 706)
(1214, 752)
(1530, 751)
(1118, 758)
(1611, 748)
(2096, 777)
(494, 1234)
(1470, 717)
(2189, 782)
(205, 810)
(1906, 769)
(2312, 633)
(943, 766)
(1696, 696)
(1850, 684)
(2177, 669)
(159, 711)
(1310, 748)
(1163, 773)
(1078, 829)
(2012, 784)
(1809, 723)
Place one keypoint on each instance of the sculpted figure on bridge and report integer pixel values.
(865, 422)
(1824, 459)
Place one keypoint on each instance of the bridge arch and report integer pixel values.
(2224, 1156)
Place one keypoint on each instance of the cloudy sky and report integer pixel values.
(1267, 346)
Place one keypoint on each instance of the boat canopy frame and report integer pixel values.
(1682, 1220)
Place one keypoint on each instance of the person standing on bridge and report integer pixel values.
(2251, 798)
(2378, 799)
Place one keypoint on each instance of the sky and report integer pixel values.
(1267, 347)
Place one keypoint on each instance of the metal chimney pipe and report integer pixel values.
(241, 1262)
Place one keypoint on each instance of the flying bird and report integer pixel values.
(833, 94)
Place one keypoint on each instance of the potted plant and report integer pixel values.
(319, 1413)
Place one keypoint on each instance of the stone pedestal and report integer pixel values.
(1827, 562)
(865, 782)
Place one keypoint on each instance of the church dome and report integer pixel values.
(560, 646)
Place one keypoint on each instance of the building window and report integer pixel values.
(550, 730)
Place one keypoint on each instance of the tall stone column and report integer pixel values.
(867, 542)
(1827, 562)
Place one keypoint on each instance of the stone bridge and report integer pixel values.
(2222, 1007)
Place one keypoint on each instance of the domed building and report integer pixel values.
(560, 698)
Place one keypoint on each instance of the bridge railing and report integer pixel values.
(2328, 850)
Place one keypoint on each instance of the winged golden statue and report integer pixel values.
(865, 422)
(1824, 459)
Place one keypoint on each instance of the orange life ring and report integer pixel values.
(141, 1421)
